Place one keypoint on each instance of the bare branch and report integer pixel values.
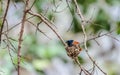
(20, 37)
(82, 68)
(99, 36)
(85, 35)
(4, 18)
(16, 25)
(48, 23)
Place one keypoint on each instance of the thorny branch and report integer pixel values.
(85, 35)
(4, 18)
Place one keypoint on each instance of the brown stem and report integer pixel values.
(20, 37)
(4, 18)
(82, 69)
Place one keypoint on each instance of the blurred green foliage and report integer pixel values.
(38, 5)
(101, 22)
(118, 28)
(76, 25)
(85, 4)
(112, 2)
(81, 60)
(17, 1)
(0, 22)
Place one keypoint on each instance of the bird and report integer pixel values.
(73, 48)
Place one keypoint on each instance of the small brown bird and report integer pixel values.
(73, 48)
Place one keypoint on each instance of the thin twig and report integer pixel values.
(79, 11)
(32, 4)
(12, 46)
(39, 29)
(96, 37)
(37, 26)
(71, 15)
(4, 18)
(7, 43)
(16, 25)
(82, 69)
(48, 23)
(113, 37)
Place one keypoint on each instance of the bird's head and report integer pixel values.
(69, 42)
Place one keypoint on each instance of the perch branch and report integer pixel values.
(85, 35)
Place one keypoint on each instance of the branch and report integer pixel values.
(20, 37)
(16, 25)
(96, 37)
(85, 35)
(82, 68)
(48, 23)
(4, 18)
